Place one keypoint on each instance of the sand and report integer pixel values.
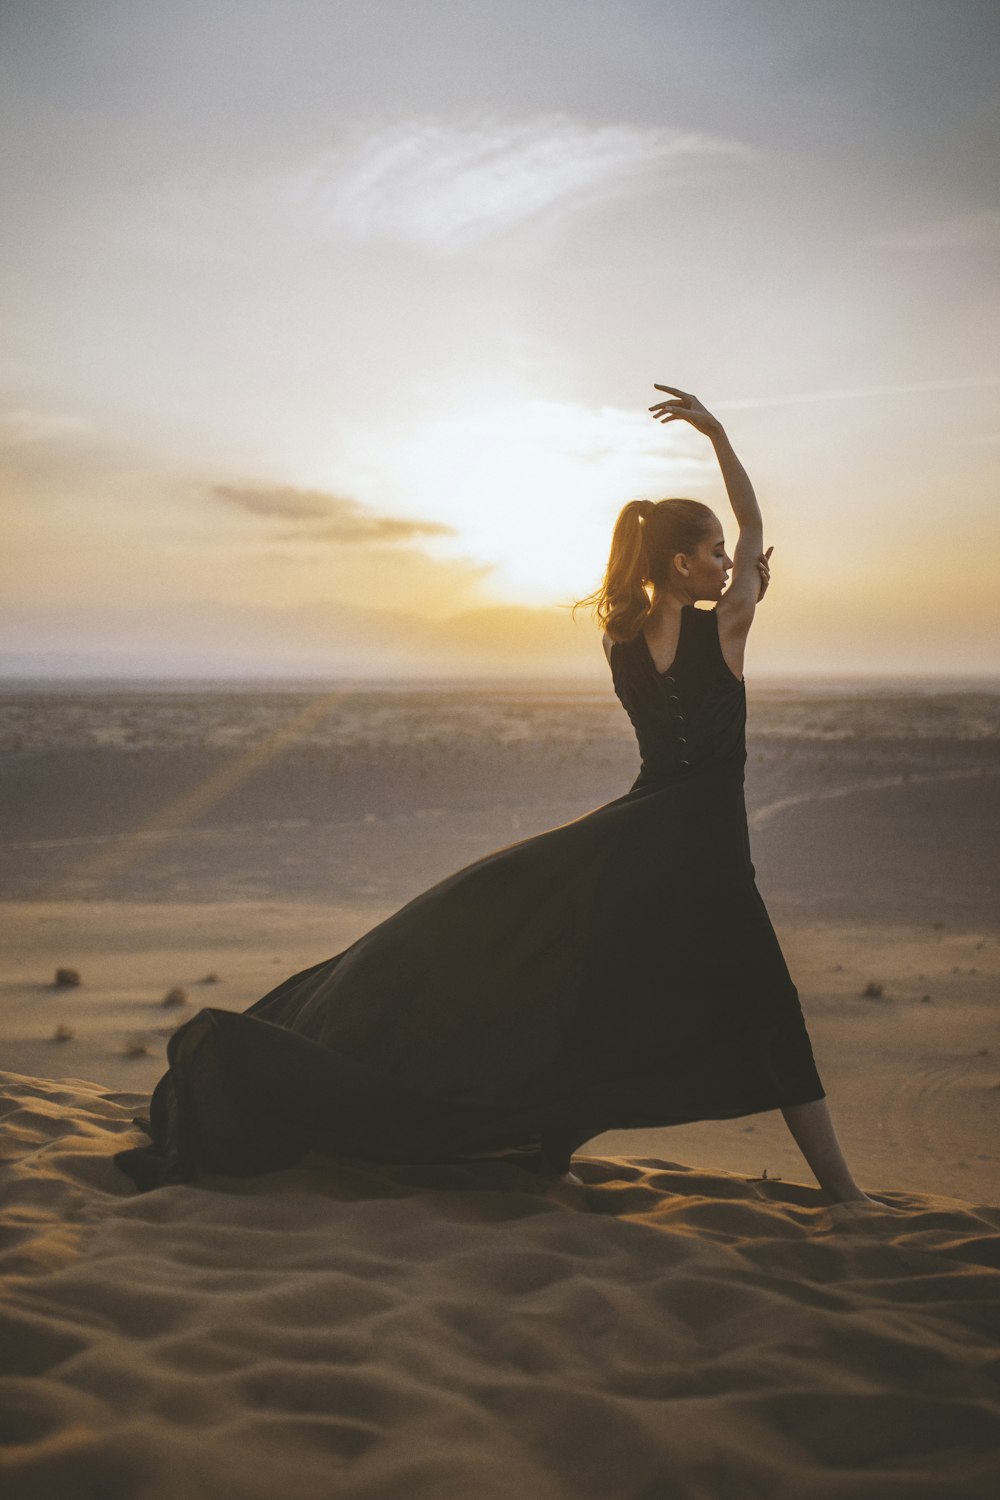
(359, 1331)
(693, 1321)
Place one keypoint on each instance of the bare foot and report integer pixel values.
(860, 1200)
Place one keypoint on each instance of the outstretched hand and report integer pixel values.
(685, 408)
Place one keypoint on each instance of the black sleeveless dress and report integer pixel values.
(617, 971)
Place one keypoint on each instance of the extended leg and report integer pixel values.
(813, 1133)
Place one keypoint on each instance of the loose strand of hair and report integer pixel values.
(621, 604)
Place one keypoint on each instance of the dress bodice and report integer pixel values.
(690, 717)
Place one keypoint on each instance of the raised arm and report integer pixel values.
(750, 574)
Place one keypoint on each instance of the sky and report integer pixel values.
(330, 329)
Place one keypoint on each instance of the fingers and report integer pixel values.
(683, 405)
(671, 408)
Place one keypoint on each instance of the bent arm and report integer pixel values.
(735, 610)
(738, 486)
(740, 599)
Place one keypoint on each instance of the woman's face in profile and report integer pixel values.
(709, 566)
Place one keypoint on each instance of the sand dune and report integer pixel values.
(464, 1331)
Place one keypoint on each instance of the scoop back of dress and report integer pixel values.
(618, 971)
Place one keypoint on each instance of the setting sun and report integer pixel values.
(534, 488)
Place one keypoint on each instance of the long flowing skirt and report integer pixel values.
(618, 971)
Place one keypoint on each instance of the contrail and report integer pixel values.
(746, 403)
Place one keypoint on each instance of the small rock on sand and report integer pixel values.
(63, 1034)
(210, 979)
(67, 979)
(175, 997)
(872, 990)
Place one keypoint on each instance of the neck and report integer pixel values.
(668, 602)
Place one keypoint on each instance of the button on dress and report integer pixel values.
(618, 971)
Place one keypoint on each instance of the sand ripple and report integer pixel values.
(462, 1331)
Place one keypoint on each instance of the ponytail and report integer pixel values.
(647, 536)
(621, 604)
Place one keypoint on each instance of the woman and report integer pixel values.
(615, 972)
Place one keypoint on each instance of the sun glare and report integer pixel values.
(534, 489)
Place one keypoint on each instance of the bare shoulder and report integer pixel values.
(607, 643)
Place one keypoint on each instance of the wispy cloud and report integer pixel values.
(853, 393)
(327, 518)
(26, 425)
(442, 186)
(449, 186)
(959, 232)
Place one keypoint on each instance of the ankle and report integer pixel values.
(845, 1192)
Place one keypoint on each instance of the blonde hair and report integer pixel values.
(647, 536)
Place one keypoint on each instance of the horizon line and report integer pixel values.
(577, 679)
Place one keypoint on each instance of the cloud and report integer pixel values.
(343, 520)
(52, 461)
(24, 425)
(960, 232)
(446, 187)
